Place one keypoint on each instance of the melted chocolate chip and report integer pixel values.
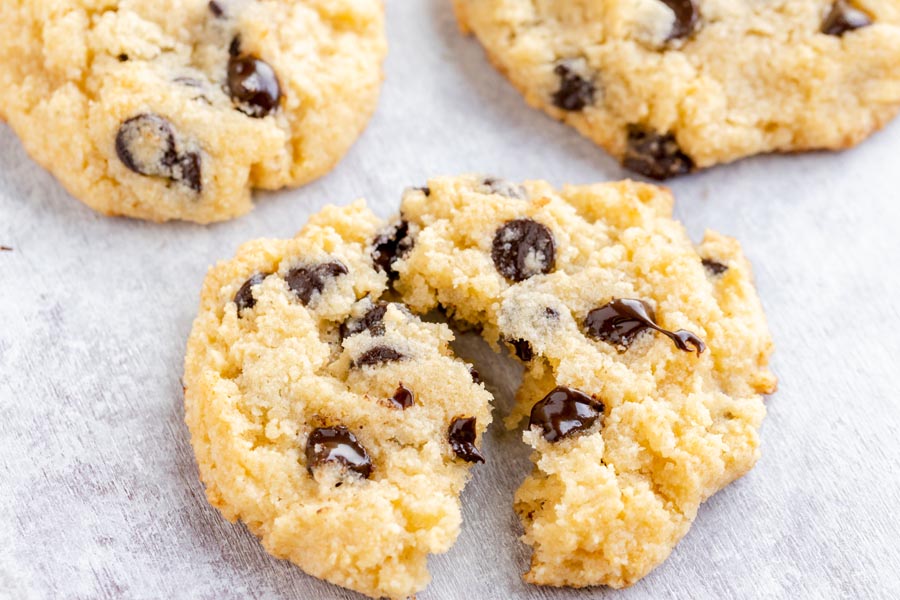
(686, 17)
(564, 412)
(337, 445)
(372, 322)
(146, 145)
(575, 92)
(216, 9)
(122, 58)
(843, 18)
(654, 155)
(714, 267)
(403, 398)
(377, 356)
(620, 321)
(523, 248)
(476, 376)
(462, 436)
(522, 349)
(308, 281)
(253, 86)
(502, 187)
(244, 297)
(390, 246)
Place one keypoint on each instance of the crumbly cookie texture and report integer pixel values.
(669, 86)
(646, 357)
(334, 423)
(177, 109)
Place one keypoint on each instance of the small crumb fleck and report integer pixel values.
(5, 249)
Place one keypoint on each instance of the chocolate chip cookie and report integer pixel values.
(670, 86)
(178, 109)
(645, 356)
(337, 425)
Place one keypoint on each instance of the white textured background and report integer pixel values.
(99, 496)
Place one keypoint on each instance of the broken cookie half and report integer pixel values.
(646, 357)
(338, 426)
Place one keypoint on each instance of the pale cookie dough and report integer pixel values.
(646, 357)
(334, 423)
(177, 109)
(669, 86)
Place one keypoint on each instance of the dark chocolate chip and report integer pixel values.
(564, 412)
(686, 17)
(476, 376)
(372, 321)
(522, 349)
(216, 9)
(390, 246)
(308, 281)
(403, 398)
(425, 190)
(714, 267)
(506, 188)
(188, 171)
(843, 18)
(122, 58)
(654, 155)
(234, 48)
(377, 356)
(337, 445)
(575, 92)
(551, 313)
(146, 145)
(523, 248)
(620, 321)
(462, 436)
(244, 297)
(253, 86)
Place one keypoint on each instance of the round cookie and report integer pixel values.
(178, 109)
(328, 418)
(670, 86)
(646, 357)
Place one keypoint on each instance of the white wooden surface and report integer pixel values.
(98, 488)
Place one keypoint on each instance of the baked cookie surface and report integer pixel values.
(669, 86)
(178, 109)
(328, 418)
(646, 357)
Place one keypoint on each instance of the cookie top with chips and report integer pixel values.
(179, 109)
(670, 86)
